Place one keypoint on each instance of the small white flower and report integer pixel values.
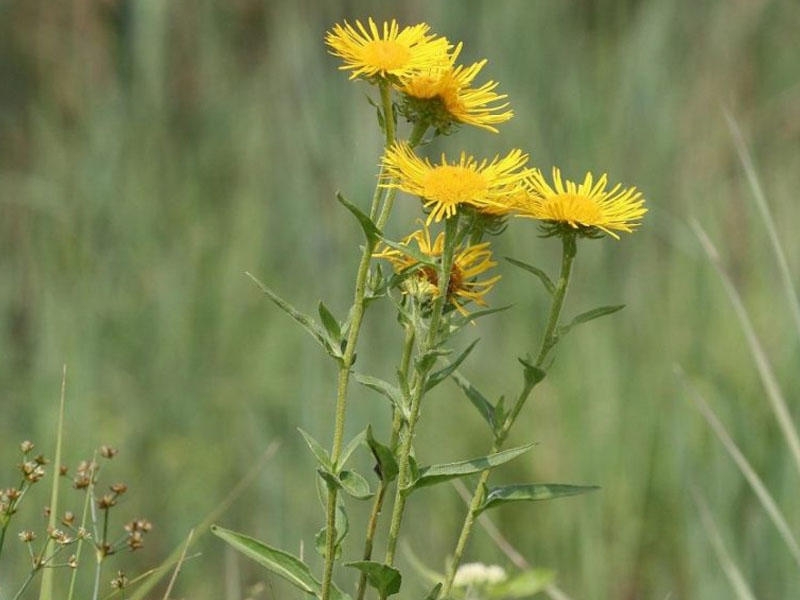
(471, 574)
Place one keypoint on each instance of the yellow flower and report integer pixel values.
(442, 95)
(469, 262)
(587, 207)
(388, 52)
(445, 187)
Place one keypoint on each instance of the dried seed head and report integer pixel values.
(26, 446)
(82, 534)
(108, 452)
(63, 470)
(106, 502)
(32, 471)
(120, 581)
(72, 562)
(12, 494)
(27, 536)
(41, 460)
(68, 519)
(119, 488)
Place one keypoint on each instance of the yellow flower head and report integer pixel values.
(442, 95)
(390, 52)
(446, 186)
(469, 262)
(587, 207)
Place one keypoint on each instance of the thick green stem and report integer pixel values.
(549, 340)
(357, 315)
(422, 370)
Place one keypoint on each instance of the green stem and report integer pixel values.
(377, 506)
(421, 372)
(549, 340)
(357, 316)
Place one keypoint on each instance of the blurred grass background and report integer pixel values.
(151, 152)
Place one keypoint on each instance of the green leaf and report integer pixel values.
(546, 281)
(478, 400)
(382, 577)
(350, 448)
(533, 374)
(291, 568)
(473, 316)
(355, 485)
(523, 585)
(438, 376)
(317, 450)
(589, 315)
(304, 320)
(330, 324)
(330, 478)
(438, 473)
(531, 492)
(371, 231)
(434, 593)
(383, 387)
(386, 465)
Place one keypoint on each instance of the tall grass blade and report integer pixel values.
(766, 215)
(776, 398)
(46, 589)
(729, 567)
(766, 499)
(178, 565)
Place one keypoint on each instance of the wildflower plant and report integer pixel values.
(439, 279)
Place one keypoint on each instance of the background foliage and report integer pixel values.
(151, 152)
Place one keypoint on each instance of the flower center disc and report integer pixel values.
(386, 54)
(453, 184)
(574, 208)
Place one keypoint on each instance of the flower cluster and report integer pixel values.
(436, 93)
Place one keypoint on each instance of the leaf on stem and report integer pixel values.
(382, 577)
(317, 450)
(350, 448)
(385, 463)
(434, 593)
(355, 485)
(291, 568)
(477, 399)
(541, 275)
(330, 324)
(434, 474)
(342, 525)
(589, 315)
(385, 388)
(532, 492)
(306, 322)
(371, 231)
(438, 376)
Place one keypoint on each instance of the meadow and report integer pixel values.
(152, 152)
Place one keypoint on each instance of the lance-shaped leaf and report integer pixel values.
(342, 525)
(350, 448)
(438, 473)
(317, 332)
(382, 577)
(437, 377)
(477, 399)
(317, 450)
(589, 315)
(291, 568)
(385, 388)
(546, 281)
(371, 231)
(531, 492)
(385, 463)
(330, 324)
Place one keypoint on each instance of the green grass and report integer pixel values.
(149, 156)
